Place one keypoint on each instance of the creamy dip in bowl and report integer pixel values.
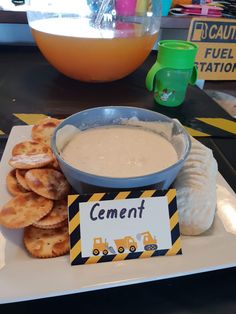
(109, 148)
(119, 151)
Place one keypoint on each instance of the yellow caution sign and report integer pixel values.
(216, 39)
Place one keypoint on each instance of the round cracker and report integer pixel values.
(49, 183)
(54, 165)
(55, 226)
(56, 218)
(20, 176)
(30, 161)
(30, 148)
(24, 209)
(42, 132)
(48, 243)
(13, 185)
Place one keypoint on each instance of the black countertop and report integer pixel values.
(28, 84)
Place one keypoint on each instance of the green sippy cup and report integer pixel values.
(172, 72)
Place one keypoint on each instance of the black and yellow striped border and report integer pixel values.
(74, 225)
(196, 126)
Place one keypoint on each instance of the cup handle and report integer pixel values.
(194, 75)
(151, 75)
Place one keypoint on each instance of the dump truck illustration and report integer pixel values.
(126, 243)
(149, 242)
(100, 246)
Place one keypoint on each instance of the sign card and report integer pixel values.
(216, 39)
(116, 226)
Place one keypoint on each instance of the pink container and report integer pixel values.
(125, 7)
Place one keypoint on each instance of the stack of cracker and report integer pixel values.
(196, 190)
(39, 191)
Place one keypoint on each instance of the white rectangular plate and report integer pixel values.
(27, 278)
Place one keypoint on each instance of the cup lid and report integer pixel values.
(176, 54)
